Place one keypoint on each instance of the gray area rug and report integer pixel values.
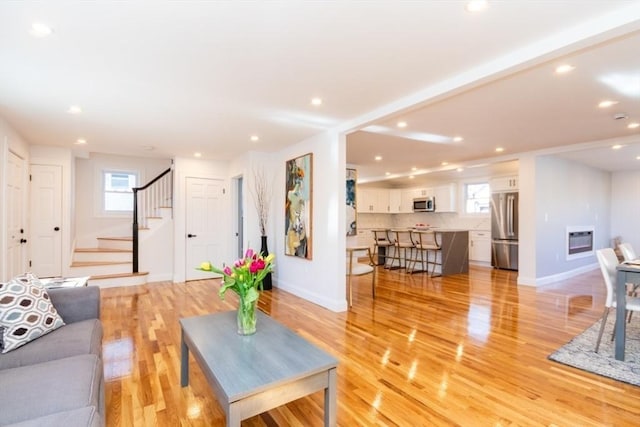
(579, 352)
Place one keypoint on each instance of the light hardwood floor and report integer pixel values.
(464, 350)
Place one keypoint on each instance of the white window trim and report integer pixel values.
(463, 198)
(99, 205)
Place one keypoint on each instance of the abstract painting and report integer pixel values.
(352, 175)
(298, 206)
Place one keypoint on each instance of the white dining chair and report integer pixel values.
(608, 261)
(627, 252)
(356, 268)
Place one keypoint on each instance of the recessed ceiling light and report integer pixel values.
(633, 125)
(499, 150)
(444, 163)
(476, 5)
(316, 101)
(80, 141)
(197, 154)
(254, 138)
(458, 139)
(564, 68)
(378, 158)
(402, 124)
(607, 103)
(38, 29)
(74, 109)
(148, 147)
(616, 147)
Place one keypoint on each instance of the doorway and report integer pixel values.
(16, 237)
(204, 225)
(46, 220)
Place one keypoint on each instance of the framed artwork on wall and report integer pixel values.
(298, 206)
(352, 176)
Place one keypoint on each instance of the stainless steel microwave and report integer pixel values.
(424, 204)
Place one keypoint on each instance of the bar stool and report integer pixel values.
(430, 241)
(401, 241)
(419, 253)
(381, 246)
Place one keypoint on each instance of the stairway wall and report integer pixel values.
(90, 221)
(156, 248)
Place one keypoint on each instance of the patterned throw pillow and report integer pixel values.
(26, 313)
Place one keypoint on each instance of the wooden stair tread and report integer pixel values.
(96, 263)
(98, 250)
(119, 275)
(124, 239)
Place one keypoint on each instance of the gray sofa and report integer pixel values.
(57, 379)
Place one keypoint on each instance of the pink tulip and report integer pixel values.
(249, 253)
(227, 271)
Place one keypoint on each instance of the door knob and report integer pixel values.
(191, 235)
(56, 228)
(23, 240)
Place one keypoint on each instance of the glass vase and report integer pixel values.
(247, 317)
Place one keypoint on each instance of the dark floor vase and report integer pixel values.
(266, 282)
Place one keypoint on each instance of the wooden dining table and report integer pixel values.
(626, 273)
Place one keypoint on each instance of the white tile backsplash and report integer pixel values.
(442, 220)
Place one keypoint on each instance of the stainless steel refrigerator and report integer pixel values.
(504, 230)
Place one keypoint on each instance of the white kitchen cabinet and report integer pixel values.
(406, 200)
(365, 238)
(504, 183)
(372, 200)
(395, 201)
(366, 198)
(382, 201)
(424, 192)
(480, 246)
(445, 196)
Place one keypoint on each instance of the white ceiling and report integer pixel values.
(195, 76)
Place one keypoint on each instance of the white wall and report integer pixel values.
(184, 168)
(321, 279)
(625, 207)
(90, 221)
(10, 141)
(527, 208)
(568, 194)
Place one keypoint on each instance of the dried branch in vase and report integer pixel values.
(262, 198)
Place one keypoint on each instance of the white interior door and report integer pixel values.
(16, 236)
(204, 225)
(46, 220)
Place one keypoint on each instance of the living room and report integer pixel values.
(558, 190)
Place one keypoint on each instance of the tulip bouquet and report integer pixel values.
(244, 278)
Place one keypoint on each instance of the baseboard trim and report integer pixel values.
(540, 281)
(333, 305)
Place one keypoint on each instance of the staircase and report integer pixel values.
(114, 262)
(109, 264)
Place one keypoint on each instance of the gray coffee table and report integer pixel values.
(253, 374)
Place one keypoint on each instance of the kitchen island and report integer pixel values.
(455, 251)
(452, 258)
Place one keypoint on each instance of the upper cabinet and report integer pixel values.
(372, 200)
(424, 192)
(394, 201)
(504, 183)
(445, 196)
